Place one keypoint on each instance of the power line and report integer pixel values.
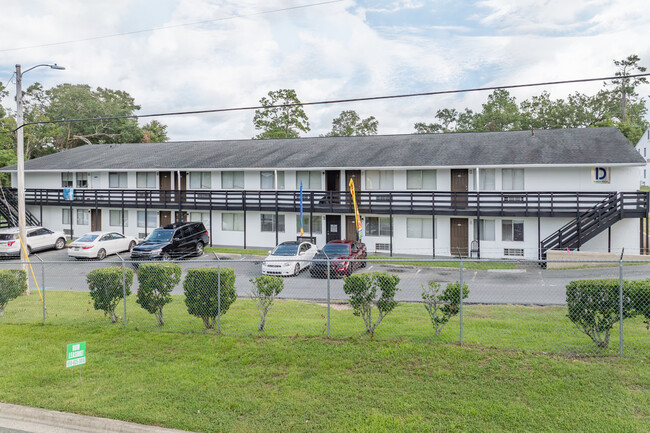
(333, 101)
(94, 38)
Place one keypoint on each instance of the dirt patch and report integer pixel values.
(337, 307)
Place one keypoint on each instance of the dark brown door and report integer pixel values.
(354, 175)
(180, 184)
(459, 236)
(350, 228)
(333, 185)
(181, 216)
(95, 220)
(166, 185)
(333, 229)
(165, 217)
(459, 187)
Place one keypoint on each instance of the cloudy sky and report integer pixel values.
(176, 55)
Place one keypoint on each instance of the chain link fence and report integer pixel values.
(521, 305)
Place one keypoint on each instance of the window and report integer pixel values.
(82, 180)
(512, 230)
(419, 228)
(317, 222)
(376, 226)
(280, 179)
(65, 216)
(310, 179)
(268, 222)
(117, 180)
(267, 180)
(115, 219)
(66, 180)
(145, 180)
(232, 179)
(152, 221)
(202, 180)
(232, 222)
(512, 178)
(487, 230)
(203, 217)
(486, 179)
(421, 179)
(376, 179)
(82, 217)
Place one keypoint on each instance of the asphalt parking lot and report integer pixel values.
(527, 284)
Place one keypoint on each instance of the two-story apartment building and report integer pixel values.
(493, 194)
(643, 147)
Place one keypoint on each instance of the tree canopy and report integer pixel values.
(616, 104)
(349, 123)
(281, 117)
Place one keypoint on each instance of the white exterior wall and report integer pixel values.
(643, 147)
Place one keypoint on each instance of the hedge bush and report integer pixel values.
(265, 289)
(442, 306)
(157, 280)
(13, 283)
(594, 305)
(209, 292)
(362, 289)
(107, 288)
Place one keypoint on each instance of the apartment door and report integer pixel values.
(165, 217)
(180, 183)
(166, 185)
(333, 185)
(355, 175)
(333, 229)
(459, 187)
(459, 236)
(351, 228)
(95, 220)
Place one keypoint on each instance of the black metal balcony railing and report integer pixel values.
(484, 204)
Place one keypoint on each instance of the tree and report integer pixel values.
(349, 124)
(362, 290)
(625, 88)
(157, 280)
(107, 287)
(500, 113)
(265, 289)
(442, 306)
(209, 293)
(282, 116)
(154, 132)
(13, 283)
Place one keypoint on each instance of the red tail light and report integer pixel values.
(10, 243)
(87, 248)
(207, 233)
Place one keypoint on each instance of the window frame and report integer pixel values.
(432, 172)
(270, 218)
(379, 232)
(423, 234)
(234, 216)
(318, 227)
(513, 231)
(234, 176)
(121, 175)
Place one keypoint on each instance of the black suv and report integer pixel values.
(173, 241)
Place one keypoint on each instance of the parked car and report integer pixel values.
(38, 239)
(289, 258)
(173, 241)
(344, 257)
(98, 245)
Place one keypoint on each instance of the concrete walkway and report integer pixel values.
(23, 419)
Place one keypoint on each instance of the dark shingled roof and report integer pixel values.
(597, 146)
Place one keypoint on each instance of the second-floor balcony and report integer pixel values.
(483, 204)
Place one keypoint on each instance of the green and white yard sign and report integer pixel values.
(76, 354)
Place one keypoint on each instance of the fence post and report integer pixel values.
(42, 285)
(218, 296)
(328, 297)
(461, 300)
(123, 286)
(620, 305)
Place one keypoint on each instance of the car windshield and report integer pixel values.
(87, 238)
(336, 250)
(8, 236)
(162, 235)
(285, 250)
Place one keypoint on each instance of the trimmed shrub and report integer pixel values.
(107, 288)
(265, 289)
(442, 306)
(594, 306)
(640, 295)
(157, 280)
(362, 289)
(13, 283)
(203, 288)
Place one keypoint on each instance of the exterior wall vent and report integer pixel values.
(382, 246)
(513, 252)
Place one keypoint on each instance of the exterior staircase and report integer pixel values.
(9, 211)
(586, 226)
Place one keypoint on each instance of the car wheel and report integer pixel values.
(29, 250)
(101, 254)
(296, 270)
(59, 244)
(131, 245)
(199, 249)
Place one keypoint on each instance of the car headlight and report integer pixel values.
(286, 264)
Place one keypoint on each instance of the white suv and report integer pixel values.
(38, 238)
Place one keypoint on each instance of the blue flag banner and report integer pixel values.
(302, 231)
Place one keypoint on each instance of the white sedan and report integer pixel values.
(38, 239)
(289, 258)
(98, 245)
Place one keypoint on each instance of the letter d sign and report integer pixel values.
(600, 175)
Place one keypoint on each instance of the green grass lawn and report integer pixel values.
(444, 263)
(252, 252)
(292, 378)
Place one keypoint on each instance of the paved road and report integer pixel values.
(528, 284)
